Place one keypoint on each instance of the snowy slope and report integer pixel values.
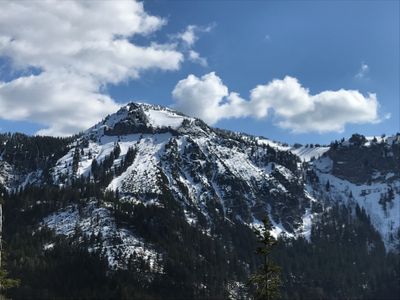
(367, 196)
(307, 153)
(201, 166)
(217, 173)
(273, 144)
(164, 118)
(119, 244)
(6, 174)
(141, 177)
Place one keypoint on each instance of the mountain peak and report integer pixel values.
(140, 118)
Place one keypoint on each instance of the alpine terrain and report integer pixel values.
(152, 204)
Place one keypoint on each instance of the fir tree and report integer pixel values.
(75, 161)
(328, 186)
(267, 280)
(5, 281)
(117, 150)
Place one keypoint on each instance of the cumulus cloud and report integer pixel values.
(200, 97)
(292, 106)
(66, 103)
(363, 71)
(78, 47)
(189, 37)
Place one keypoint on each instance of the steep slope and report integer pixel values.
(27, 160)
(309, 152)
(363, 172)
(208, 171)
(142, 151)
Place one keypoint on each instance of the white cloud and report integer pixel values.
(64, 102)
(79, 47)
(200, 97)
(189, 37)
(363, 71)
(196, 58)
(292, 105)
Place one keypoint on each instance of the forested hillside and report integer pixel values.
(151, 204)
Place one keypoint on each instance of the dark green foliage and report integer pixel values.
(75, 161)
(191, 258)
(117, 150)
(267, 280)
(358, 163)
(6, 282)
(29, 153)
(357, 140)
(387, 198)
(102, 173)
(129, 157)
(346, 259)
(328, 186)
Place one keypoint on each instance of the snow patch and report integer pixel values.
(307, 153)
(164, 118)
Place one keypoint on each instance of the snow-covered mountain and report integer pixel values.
(123, 182)
(210, 172)
(213, 172)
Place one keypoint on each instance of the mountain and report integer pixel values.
(162, 205)
(210, 173)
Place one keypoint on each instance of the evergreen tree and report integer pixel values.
(75, 161)
(267, 280)
(328, 186)
(117, 150)
(5, 281)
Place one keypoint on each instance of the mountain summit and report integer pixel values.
(140, 118)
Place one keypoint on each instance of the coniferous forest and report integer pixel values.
(344, 257)
(335, 264)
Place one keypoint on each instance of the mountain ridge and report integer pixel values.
(113, 187)
(152, 129)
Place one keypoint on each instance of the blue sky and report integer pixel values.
(325, 46)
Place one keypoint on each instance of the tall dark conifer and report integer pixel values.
(267, 280)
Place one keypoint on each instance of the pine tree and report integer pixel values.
(75, 161)
(390, 194)
(5, 281)
(267, 280)
(328, 186)
(117, 150)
